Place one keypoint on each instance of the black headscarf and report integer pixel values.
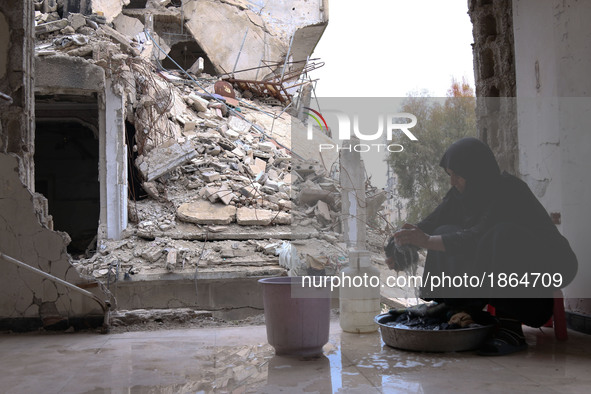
(474, 161)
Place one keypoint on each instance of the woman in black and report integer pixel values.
(490, 224)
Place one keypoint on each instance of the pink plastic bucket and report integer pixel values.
(297, 318)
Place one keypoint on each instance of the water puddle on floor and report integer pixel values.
(349, 361)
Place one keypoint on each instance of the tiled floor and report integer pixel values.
(239, 360)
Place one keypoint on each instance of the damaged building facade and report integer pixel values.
(148, 174)
(108, 143)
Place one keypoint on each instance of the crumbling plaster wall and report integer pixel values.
(22, 236)
(553, 100)
(24, 294)
(73, 75)
(494, 70)
(17, 81)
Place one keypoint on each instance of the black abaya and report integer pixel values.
(495, 226)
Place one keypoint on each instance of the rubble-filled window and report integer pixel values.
(186, 53)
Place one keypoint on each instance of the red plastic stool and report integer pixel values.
(558, 319)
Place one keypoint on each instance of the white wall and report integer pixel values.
(554, 124)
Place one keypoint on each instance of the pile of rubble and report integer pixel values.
(220, 186)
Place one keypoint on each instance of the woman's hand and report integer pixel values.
(412, 235)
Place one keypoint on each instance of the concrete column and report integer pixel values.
(115, 165)
(352, 179)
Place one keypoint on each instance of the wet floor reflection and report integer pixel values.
(196, 362)
(292, 374)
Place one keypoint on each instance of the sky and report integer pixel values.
(390, 48)
(393, 48)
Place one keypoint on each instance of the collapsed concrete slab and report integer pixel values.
(245, 34)
(129, 26)
(219, 28)
(204, 212)
(165, 158)
(261, 217)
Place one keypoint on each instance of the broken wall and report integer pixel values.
(494, 69)
(553, 100)
(17, 81)
(24, 294)
(22, 236)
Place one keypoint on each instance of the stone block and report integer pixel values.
(189, 125)
(285, 204)
(171, 260)
(238, 152)
(266, 146)
(312, 196)
(150, 188)
(152, 254)
(200, 104)
(273, 175)
(282, 218)
(211, 176)
(204, 212)
(50, 27)
(164, 158)
(221, 167)
(211, 193)
(225, 194)
(128, 25)
(268, 190)
(238, 125)
(258, 166)
(254, 217)
(226, 144)
(272, 184)
(322, 212)
(248, 191)
(76, 20)
(231, 134)
(119, 38)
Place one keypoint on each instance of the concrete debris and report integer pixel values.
(152, 254)
(119, 38)
(254, 217)
(322, 212)
(142, 316)
(50, 27)
(258, 166)
(76, 21)
(204, 212)
(171, 259)
(164, 159)
(219, 191)
(128, 26)
(197, 67)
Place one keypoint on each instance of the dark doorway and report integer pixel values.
(67, 165)
(134, 179)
